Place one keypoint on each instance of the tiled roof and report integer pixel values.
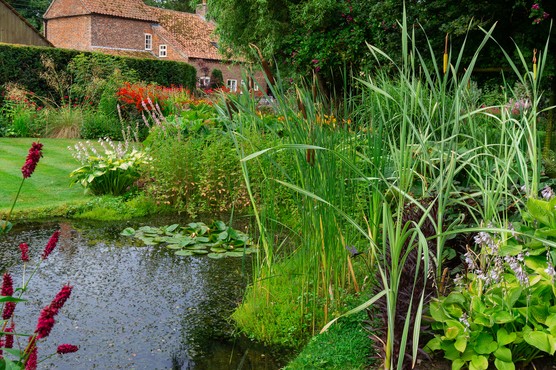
(133, 9)
(194, 34)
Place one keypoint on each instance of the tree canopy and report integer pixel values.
(326, 35)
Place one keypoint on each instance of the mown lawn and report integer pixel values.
(49, 187)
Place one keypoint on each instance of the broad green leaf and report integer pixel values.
(541, 340)
(184, 253)
(173, 246)
(485, 344)
(503, 337)
(219, 225)
(149, 241)
(551, 323)
(433, 344)
(461, 343)
(199, 251)
(11, 299)
(457, 364)
(502, 317)
(503, 354)
(479, 363)
(223, 235)
(234, 254)
(216, 256)
(503, 365)
(128, 231)
(172, 227)
(218, 250)
(437, 312)
(201, 239)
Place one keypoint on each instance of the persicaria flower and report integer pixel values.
(24, 247)
(7, 285)
(535, 7)
(46, 322)
(31, 363)
(66, 348)
(61, 298)
(50, 245)
(8, 311)
(35, 153)
(9, 343)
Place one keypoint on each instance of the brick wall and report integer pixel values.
(120, 33)
(229, 71)
(70, 32)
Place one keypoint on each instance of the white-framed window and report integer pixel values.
(162, 51)
(148, 41)
(204, 82)
(231, 85)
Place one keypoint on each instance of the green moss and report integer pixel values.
(344, 346)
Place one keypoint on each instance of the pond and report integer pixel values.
(132, 306)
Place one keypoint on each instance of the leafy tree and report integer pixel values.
(31, 10)
(179, 5)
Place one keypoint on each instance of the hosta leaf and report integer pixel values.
(503, 365)
(503, 337)
(551, 323)
(541, 340)
(461, 343)
(502, 317)
(457, 364)
(503, 354)
(485, 344)
(479, 363)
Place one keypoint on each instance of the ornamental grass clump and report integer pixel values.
(113, 172)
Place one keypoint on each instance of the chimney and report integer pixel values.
(201, 10)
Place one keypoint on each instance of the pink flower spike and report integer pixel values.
(35, 153)
(9, 337)
(8, 311)
(24, 247)
(66, 348)
(50, 245)
(46, 322)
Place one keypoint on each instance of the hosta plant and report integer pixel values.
(113, 172)
(502, 311)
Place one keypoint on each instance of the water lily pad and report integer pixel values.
(218, 250)
(199, 251)
(234, 254)
(128, 231)
(173, 246)
(184, 253)
(216, 256)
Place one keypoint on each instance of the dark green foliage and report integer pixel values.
(22, 64)
(216, 79)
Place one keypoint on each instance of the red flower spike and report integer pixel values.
(61, 298)
(7, 285)
(66, 348)
(35, 153)
(50, 245)
(24, 247)
(9, 337)
(31, 363)
(8, 311)
(46, 322)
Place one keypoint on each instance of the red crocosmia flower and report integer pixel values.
(31, 363)
(66, 348)
(24, 247)
(50, 245)
(35, 153)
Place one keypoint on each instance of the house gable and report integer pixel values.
(65, 8)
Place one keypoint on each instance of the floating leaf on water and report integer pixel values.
(187, 241)
(202, 239)
(218, 250)
(128, 231)
(184, 253)
(216, 256)
(173, 246)
(234, 254)
(150, 230)
(223, 235)
(200, 251)
(171, 228)
(219, 225)
(148, 241)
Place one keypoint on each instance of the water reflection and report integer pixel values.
(132, 307)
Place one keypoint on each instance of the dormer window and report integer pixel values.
(148, 41)
(162, 51)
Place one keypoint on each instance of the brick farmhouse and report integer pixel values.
(132, 28)
(14, 29)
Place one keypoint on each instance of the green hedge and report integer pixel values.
(22, 64)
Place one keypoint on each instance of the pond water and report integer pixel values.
(132, 306)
